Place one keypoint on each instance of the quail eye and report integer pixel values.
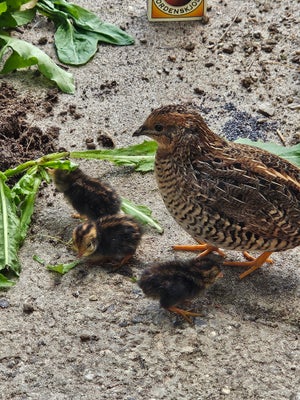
(158, 127)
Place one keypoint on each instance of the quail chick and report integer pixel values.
(224, 194)
(90, 197)
(173, 282)
(112, 238)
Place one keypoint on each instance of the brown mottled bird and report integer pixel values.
(224, 194)
(90, 197)
(113, 238)
(173, 282)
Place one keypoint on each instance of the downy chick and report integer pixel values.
(90, 197)
(173, 282)
(109, 239)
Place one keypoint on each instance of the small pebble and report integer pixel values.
(87, 337)
(93, 297)
(28, 308)
(266, 109)
(225, 390)
(172, 58)
(89, 376)
(228, 49)
(4, 303)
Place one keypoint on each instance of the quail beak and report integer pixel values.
(140, 131)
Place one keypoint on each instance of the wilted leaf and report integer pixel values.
(22, 54)
(140, 156)
(63, 268)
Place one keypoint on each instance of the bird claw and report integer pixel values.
(252, 258)
(204, 249)
(253, 263)
(184, 313)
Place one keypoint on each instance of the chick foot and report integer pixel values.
(184, 313)
(253, 263)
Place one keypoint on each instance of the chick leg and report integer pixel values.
(122, 262)
(183, 313)
(253, 264)
(78, 216)
(204, 249)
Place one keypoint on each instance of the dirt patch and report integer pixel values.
(20, 139)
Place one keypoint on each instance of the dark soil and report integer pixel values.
(20, 139)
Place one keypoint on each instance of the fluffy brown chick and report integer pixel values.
(173, 282)
(90, 197)
(224, 194)
(112, 238)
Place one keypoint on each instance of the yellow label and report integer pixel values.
(176, 9)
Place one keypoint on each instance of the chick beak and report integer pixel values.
(220, 275)
(50, 171)
(140, 131)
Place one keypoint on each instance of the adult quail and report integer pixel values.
(224, 194)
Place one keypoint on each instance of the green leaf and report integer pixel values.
(23, 17)
(3, 8)
(25, 54)
(141, 156)
(141, 213)
(63, 268)
(291, 153)
(79, 31)
(24, 193)
(5, 282)
(38, 259)
(89, 21)
(9, 229)
(74, 46)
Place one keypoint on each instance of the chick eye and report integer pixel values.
(158, 127)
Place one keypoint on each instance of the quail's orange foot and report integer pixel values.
(228, 195)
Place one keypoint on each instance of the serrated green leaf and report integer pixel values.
(63, 268)
(141, 213)
(22, 54)
(5, 282)
(140, 156)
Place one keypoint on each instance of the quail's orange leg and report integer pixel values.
(252, 258)
(253, 263)
(204, 249)
(183, 313)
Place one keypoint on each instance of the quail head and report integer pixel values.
(173, 282)
(90, 197)
(112, 238)
(224, 194)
